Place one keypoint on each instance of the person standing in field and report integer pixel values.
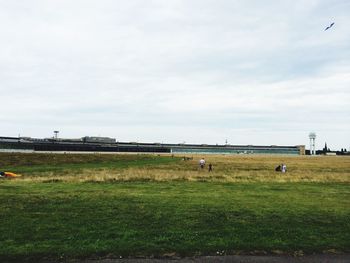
(202, 163)
(210, 167)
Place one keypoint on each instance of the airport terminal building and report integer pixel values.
(106, 144)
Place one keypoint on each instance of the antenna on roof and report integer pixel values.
(56, 134)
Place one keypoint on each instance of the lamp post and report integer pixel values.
(56, 134)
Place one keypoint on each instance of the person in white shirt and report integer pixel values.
(202, 163)
(284, 168)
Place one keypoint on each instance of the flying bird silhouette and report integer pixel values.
(328, 27)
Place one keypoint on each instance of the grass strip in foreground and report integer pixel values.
(79, 220)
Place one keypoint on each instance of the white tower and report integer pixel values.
(312, 137)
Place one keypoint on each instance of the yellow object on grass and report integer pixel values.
(10, 174)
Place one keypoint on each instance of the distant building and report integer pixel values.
(106, 144)
(98, 139)
(325, 148)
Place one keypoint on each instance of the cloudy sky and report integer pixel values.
(194, 71)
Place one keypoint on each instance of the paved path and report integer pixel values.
(344, 258)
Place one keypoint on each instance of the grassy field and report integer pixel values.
(79, 206)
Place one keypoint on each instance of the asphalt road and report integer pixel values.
(324, 258)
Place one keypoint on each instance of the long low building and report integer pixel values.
(105, 144)
(240, 149)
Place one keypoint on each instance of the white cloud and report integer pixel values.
(198, 71)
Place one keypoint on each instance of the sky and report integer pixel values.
(194, 71)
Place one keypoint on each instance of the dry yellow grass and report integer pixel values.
(238, 168)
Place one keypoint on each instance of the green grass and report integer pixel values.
(58, 218)
(31, 164)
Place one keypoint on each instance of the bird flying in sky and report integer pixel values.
(328, 27)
